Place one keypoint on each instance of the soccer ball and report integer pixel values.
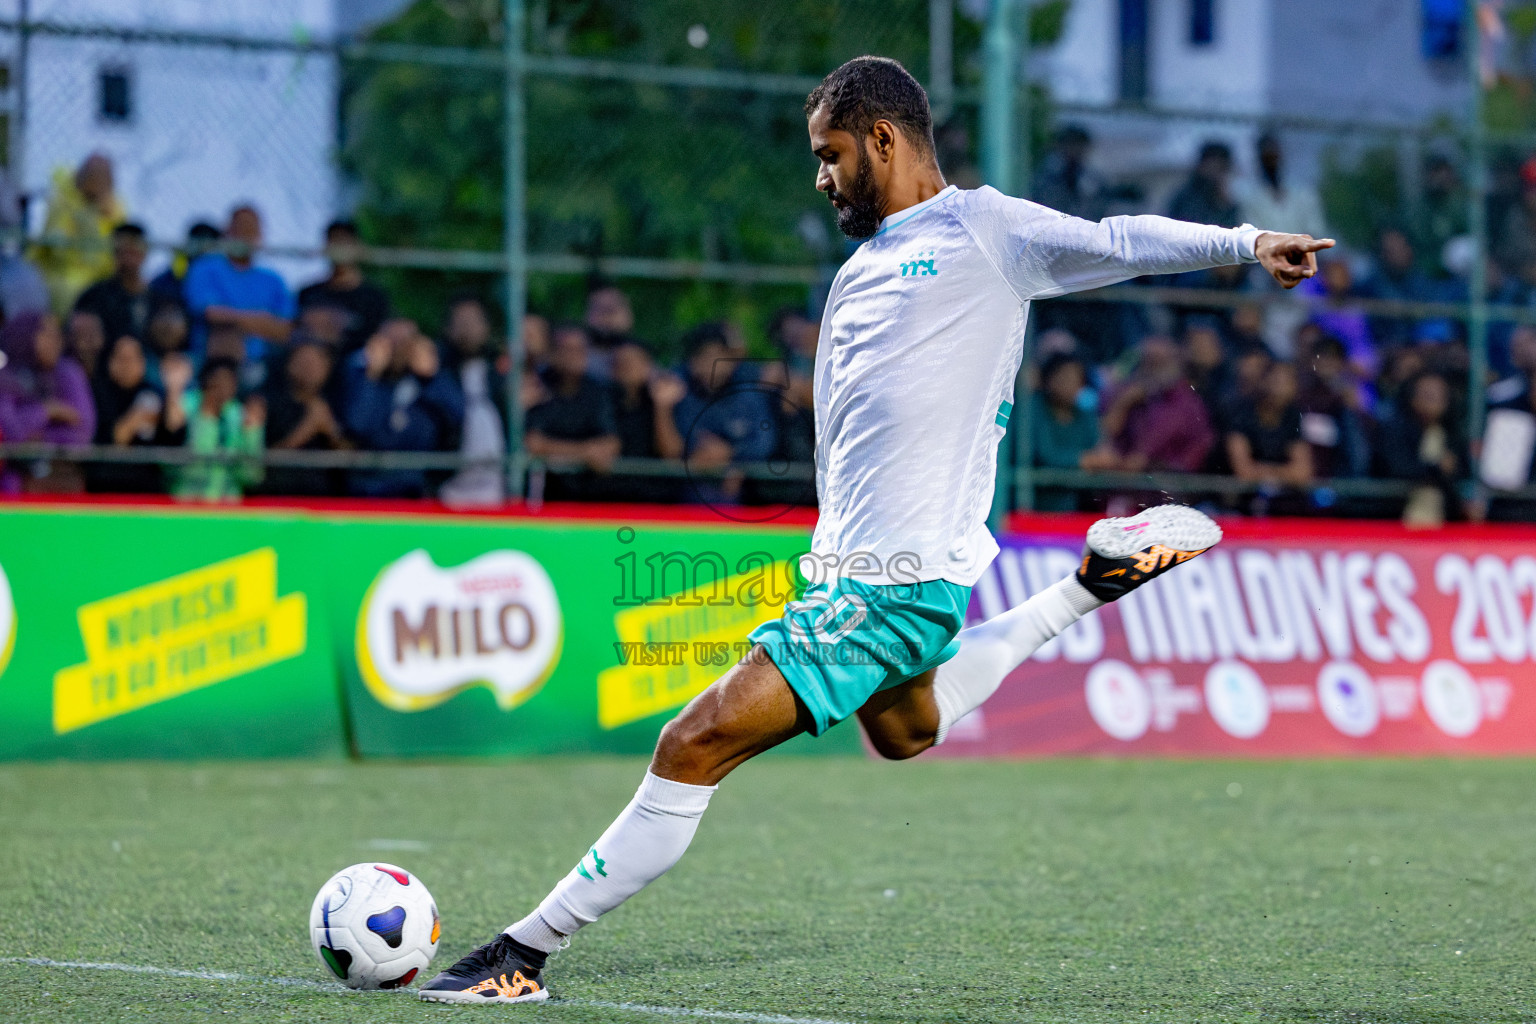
(374, 926)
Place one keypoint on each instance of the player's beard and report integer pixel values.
(860, 213)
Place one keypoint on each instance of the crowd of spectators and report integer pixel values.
(214, 354)
(1291, 392)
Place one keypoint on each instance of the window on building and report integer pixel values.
(116, 95)
(1133, 50)
(1202, 22)
(1441, 28)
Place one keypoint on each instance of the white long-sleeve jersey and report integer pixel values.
(920, 345)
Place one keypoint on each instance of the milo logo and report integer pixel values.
(424, 633)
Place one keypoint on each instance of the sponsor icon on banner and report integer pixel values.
(1118, 699)
(1237, 699)
(165, 639)
(1451, 698)
(425, 633)
(7, 621)
(1348, 698)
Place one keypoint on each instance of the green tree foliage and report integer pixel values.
(615, 168)
(1361, 194)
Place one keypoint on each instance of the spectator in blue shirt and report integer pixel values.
(238, 309)
(399, 400)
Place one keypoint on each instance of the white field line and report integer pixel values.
(337, 989)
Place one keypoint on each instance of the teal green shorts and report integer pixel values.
(846, 640)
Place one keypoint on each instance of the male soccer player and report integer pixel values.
(920, 344)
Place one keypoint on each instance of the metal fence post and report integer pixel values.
(941, 65)
(19, 119)
(997, 147)
(1477, 223)
(515, 236)
(1022, 425)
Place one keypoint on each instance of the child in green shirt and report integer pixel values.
(217, 424)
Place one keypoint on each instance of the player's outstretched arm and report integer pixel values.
(1062, 254)
(1290, 259)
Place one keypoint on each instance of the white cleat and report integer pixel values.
(1123, 553)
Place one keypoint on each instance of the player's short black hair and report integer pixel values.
(129, 229)
(869, 89)
(342, 226)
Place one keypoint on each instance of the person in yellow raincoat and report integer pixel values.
(76, 249)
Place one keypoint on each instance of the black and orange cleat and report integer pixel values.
(1122, 554)
(493, 973)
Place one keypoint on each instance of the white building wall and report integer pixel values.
(1084, 65)
(1362, 59)
(1228, 75)
(211, 127)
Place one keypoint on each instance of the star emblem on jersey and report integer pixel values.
(920, 264)
(1122, 554)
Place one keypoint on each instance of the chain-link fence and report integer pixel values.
(641, 171)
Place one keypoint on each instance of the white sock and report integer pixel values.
(992, 649)
(644, 841)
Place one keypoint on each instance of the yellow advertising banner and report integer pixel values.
(162, 640)
(670, 651)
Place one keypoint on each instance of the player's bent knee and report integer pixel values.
(902, 744)
(693, 742)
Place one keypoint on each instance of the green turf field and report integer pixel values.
(834, 889)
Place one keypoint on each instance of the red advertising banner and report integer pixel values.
(1287, 639)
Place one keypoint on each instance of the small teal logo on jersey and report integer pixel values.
(920, 265)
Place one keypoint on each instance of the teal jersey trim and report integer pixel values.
(1004, 411)
(919, 213)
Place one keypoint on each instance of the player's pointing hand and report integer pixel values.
(1290, 259)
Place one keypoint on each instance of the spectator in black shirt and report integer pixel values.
(575, 424)
(299, 418)
(791, 396)
(644, 402)
(1423, 442)
(168, 335)
(399, 400)
(480, 366)
(1064, 181)
(644, 399)
(122, 301)
(609, 316)
(129, 412)
(1205, 197)
(1264, 443)
(361, 306)
(1206, 366)
(85, 338)
(1333, 418)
